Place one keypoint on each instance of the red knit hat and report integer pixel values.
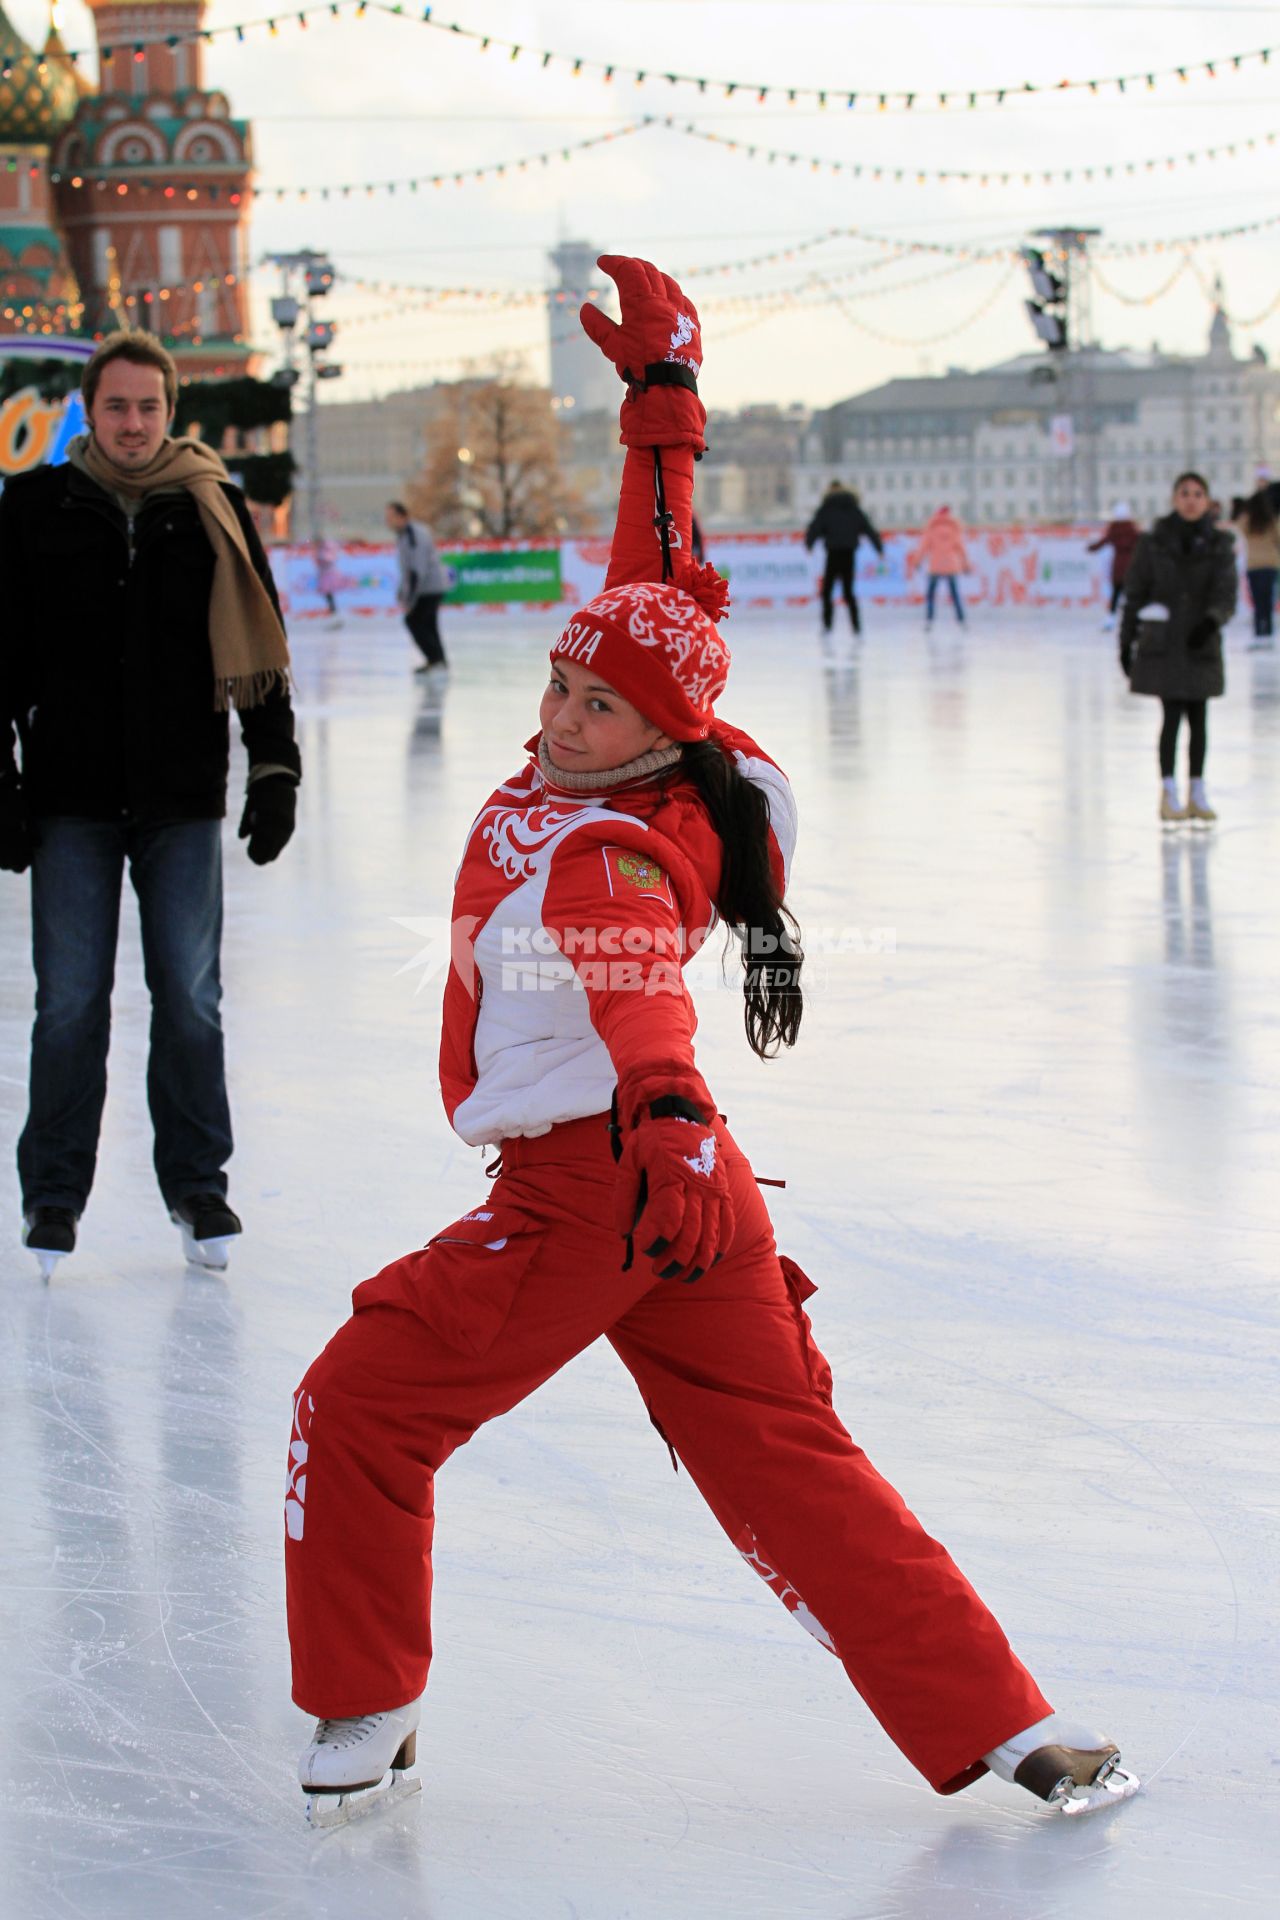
(654, 643)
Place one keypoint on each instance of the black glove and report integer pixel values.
(270, 810)
(15, 834)
(1204, 630)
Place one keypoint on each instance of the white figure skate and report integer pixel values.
(342, 1770)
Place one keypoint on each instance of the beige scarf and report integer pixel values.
(250, 652)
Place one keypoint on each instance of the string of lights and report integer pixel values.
(929, 339)
(462, 176)
(1141, 299)
(1125, 249)
(874, 97)
(982, 177)
(893, 250)
(1213, 294)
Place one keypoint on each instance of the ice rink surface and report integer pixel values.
(1030, 1139)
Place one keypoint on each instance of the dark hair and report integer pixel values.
(398, 506)
(1259, 514)
(141, 349)
(749, 899)
(1190, 475)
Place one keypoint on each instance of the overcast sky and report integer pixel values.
(350, 101)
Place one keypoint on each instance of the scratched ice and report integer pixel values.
(1030, 1139)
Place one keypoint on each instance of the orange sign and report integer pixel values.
(27, 426)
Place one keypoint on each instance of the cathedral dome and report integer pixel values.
(38, 96)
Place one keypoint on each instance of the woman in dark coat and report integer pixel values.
(1180, 592)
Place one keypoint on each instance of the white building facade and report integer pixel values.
(1042, 439)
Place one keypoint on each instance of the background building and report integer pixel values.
(39, 93)
(151, 181)
(1041, 438)
(127, 204)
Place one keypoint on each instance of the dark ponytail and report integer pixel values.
(749, 900)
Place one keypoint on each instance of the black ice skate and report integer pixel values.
(342, 1770)
(208, 1228)
(50, 1232)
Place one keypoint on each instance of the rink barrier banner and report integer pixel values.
(1027, 566)
(40, 406)
(487, 577)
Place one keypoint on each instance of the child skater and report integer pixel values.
(623, 1207)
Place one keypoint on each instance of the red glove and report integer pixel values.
(658, 351)
(673, 1191)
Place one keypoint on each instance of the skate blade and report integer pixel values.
(210, 1254)
(47, 1261)
(1112, 1786)
(325, 1811)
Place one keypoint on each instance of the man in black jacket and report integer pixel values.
(840, 524)
(136, 606)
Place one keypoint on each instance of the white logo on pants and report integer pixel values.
(749, 1547)
(295, 1486)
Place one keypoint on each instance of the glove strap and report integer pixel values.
(673, 1106)
(669, 373)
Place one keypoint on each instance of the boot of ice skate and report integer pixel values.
(1198, 810)
(50, 1232)
(343, 1770)
(1068, 1766)
(1172, 813)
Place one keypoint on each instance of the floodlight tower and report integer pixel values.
(1062, 315)
(305, 277)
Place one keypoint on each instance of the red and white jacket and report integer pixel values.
(573, 917)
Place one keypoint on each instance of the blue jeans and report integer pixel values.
(930, 591)
(76, 875)
(1262, 591)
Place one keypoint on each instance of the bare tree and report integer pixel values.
(494, 468)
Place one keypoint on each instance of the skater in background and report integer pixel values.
(623, 1206)
(1255, 521)
(841, 525)
(422, 585)
(1179, 594)
(327, 579)
(941, 552)
(696, 542)
(138, 607)
(1121, 535)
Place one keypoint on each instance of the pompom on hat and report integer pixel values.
(657, 645)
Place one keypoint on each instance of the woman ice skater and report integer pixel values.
(623, 1207)
(1179, 594)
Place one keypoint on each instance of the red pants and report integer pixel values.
(450, 1336)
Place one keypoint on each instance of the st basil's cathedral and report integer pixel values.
(126, 204)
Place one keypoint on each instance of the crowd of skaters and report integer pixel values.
(1173, 588)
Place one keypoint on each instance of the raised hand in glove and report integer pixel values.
(673, 1192)
(270, 810)
(1204, 631)
(15, 834)
(657, 349)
